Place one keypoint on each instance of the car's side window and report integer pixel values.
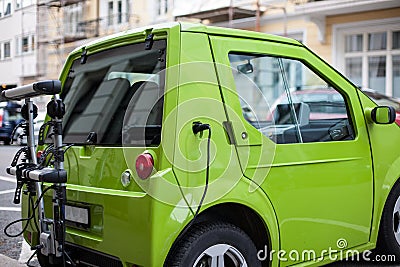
(288, 102)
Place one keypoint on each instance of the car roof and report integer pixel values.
(213, 30)
(190, 27)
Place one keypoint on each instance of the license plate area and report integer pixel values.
(77, 216)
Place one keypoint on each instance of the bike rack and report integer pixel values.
(28, 171)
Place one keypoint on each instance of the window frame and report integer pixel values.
(116, 18)
(162, 7)
(339, 55)
(223, 45)
(4, 50)
(72, 19)
(3, 8)
(22, 49)
(19, 4)
(305, 64)
(114, 52)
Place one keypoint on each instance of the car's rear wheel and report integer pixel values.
(389, 232)
(214, 244)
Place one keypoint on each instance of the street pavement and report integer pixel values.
(13, 251)
(9, 262)
(8, 211)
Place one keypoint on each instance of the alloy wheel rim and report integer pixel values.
(220, 255)
(396, 220)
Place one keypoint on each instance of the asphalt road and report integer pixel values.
(9, 212)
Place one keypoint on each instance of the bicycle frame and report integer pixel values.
(29, 171)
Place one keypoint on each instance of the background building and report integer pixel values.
(17, 42)
(359, 37)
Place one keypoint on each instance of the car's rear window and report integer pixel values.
(116, 96)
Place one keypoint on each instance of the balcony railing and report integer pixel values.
(116, 19)
(58, 3)
(82, 30)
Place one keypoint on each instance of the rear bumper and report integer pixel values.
(119, 231)
(88, 257)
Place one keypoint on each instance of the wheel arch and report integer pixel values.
(243, 217)
(385, 197)
(252, 204)
(383, 189)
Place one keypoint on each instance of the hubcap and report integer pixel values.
(396, 220)
(220, 255)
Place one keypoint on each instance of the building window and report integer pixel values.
(5, 8)
(117, 12)
(72, 19)
(396, 40)
(354, 43)
(162, 7)
(396, 75)
(371, 55)
(33, 42)
(25, 44)
(110, 13)
(354, 69)
(7, 50)
(23, 3)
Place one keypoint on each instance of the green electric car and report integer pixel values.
(192, 145)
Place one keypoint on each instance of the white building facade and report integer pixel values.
(361, 38)
(18, 58)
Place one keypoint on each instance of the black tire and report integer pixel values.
(7, 141)
(389, 231)
(192, 248)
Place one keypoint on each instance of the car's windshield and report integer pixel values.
(98, 93)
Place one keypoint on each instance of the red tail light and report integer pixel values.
(39, 154)
(29, 236)
(144, 165)
(398, 118)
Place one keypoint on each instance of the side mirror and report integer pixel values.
(382, 115)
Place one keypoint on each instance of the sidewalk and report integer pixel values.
(8, 262)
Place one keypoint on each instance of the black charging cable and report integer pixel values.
(29, 218)
(199, 127)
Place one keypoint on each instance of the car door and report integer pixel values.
(301, 136)
(114, 107)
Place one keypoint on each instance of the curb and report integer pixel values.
(8, 262)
